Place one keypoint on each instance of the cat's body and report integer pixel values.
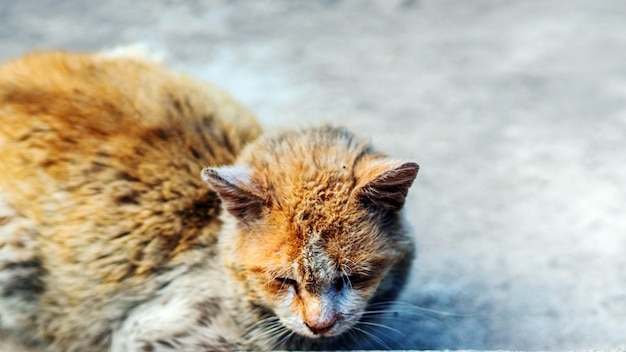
(110, 239)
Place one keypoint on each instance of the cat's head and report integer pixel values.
(314, 225)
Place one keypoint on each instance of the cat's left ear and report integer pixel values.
(237, 191)
(384, 184)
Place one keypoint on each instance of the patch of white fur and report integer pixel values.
(17, 244)
(6, 211)
(286, 315)
(174, 313)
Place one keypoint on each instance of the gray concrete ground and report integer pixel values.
(516, 111)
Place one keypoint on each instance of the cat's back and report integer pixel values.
(100, 188)
(69, 100)
(114, 132)
(71, 119)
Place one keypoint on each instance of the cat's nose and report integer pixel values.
(321, 327)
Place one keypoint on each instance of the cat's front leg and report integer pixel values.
(177, 325)
(186, 315)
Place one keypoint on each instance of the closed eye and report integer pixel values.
(349, 281)
(358, 279)
(286, 282)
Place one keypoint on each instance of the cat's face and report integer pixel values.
(316, 271)
(313, 242)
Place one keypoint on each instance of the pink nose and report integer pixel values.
(321, 327)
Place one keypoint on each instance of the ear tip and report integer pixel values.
(208, 173)
(410, 167)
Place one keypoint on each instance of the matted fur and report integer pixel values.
(110, 239)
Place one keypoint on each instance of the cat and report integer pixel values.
(141, 210)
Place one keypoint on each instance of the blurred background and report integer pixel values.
(515, 110)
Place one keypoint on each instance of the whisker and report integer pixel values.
(354, 338)
(346, 277)
(273, 325)
(421, 309)
(275, 330)
(260, 323)
(369, 323)
(372, 336)
(399, 313)
(288, 333)
(270, 327)
(270, 332)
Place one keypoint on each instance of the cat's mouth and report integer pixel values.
(321, 329)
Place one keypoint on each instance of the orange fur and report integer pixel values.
(109, 238)
(317, 224)
(103, 155)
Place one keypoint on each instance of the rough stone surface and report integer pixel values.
(515, 110)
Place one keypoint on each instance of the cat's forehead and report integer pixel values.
(314, 155)
(336, 241)
(314, 225)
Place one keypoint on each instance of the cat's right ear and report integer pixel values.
(236, 190)
(384, 184)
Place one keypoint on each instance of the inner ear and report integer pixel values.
(234, 186)
(384, 184)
